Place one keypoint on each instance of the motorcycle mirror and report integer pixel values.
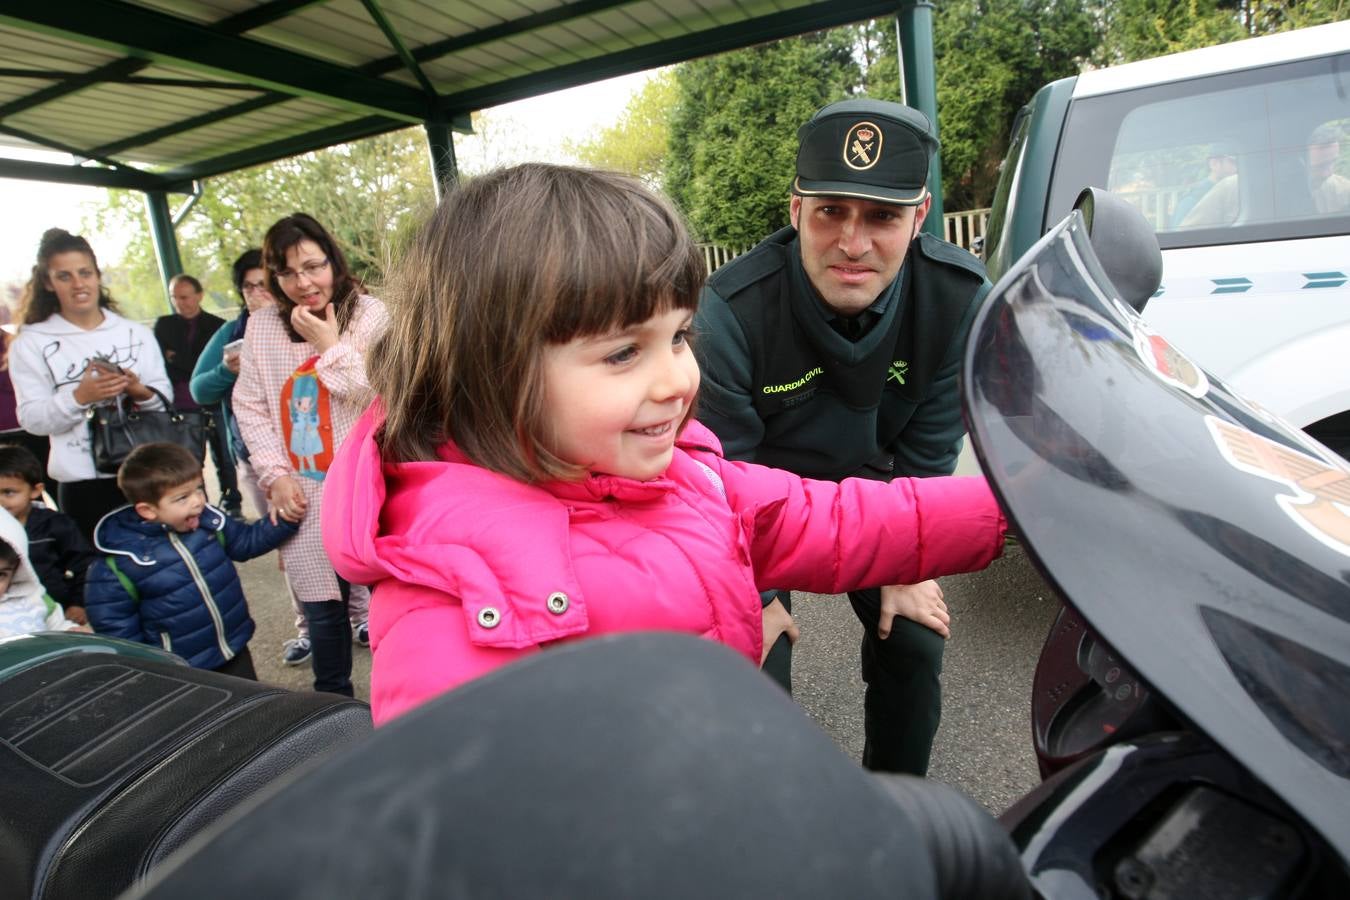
(1125, 244)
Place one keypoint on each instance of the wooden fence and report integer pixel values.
(962, 228)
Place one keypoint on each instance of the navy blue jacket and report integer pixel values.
(177, 591)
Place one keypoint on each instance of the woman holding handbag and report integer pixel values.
(302, 385)
(74, 352)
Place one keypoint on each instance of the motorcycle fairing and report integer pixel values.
(1131, 475)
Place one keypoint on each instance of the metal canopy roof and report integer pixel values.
(158, 93)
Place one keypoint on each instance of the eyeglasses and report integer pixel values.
(309, 270)
(249, 287)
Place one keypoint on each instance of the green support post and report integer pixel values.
(166, 243)
(915, 23)
(441, 147)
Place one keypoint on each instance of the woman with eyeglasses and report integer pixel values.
(302, 384)
(74, 352)
(217, 367)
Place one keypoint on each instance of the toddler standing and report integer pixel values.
(25, 607)
(532, 472)
(166, 576)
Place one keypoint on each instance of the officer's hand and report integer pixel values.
(920, 603)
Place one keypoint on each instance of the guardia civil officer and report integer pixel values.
(832, 349)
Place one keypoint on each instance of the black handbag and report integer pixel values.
(118, 428)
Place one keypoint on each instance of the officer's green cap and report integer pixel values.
(872, 149)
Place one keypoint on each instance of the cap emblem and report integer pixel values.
(862, 146)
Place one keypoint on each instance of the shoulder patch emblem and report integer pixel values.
(1169, 364)
(862, 146)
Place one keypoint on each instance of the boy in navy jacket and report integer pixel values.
(166, 572)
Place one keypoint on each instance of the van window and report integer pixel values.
(1011, 167)
(1234, 158)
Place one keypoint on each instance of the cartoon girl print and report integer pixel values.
(306, 441)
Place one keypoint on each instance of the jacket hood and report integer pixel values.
(379, 524)
(25, 580)
(123, 532)
(56, 324)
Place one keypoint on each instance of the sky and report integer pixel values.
(544, 122)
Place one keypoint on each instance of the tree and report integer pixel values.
(733, 134)
(637, 143)
(1141, 29)
(365, 193)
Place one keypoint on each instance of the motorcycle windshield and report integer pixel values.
(1204, 539)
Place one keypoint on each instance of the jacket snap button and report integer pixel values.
(557, 603)
(488, 617)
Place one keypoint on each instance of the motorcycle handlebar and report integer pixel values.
(973, 857)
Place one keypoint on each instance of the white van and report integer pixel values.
(1239, 156)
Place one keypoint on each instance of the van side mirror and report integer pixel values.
(1125, 244)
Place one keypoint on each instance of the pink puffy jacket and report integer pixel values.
(473, 569)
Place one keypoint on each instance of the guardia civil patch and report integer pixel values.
(862, 146)
(1169, 364)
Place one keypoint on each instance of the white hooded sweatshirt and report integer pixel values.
(46, 362)
(25, 608)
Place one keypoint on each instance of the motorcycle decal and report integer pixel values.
(1167, 362)
(1320, 504)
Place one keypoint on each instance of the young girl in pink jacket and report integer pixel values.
(533, 473)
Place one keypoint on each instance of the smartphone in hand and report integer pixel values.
(105, 366)
(233, 348)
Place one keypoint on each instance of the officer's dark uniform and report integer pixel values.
(789, 383)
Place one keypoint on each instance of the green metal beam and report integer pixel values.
(126, 179)
(292, 146)
(42, 141)
(915, 21)
(262, 14)
(156, 134)
(775, 26)
(163, 237)
(378, 67)
(141, 32)
(400, 49)
(148, 80)
(94, 76)
(559, 14)
(441, 149)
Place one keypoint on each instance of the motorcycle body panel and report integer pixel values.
(1205, 539)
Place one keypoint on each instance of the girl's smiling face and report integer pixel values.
(308, 277)
(615, 402)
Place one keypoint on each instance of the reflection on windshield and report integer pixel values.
(1299, 690)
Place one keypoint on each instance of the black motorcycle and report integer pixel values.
(1190, 709)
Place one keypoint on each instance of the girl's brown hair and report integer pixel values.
(509, 263)
(285, 234)
(39, 302)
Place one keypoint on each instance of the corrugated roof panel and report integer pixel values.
(42, 51)
(534, 49)
(207, 78)
(206, 13)
(340, 31)
(242, 132)
(101, 116)
(14, 88)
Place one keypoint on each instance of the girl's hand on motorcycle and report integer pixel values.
(922, 603)
(777, 621)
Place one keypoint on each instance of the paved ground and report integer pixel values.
(999, 619)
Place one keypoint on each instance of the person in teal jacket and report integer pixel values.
(832, 350)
